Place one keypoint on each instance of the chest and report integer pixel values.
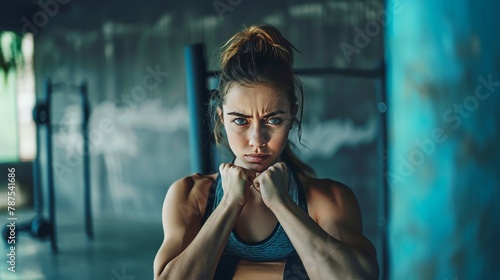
(255, 223)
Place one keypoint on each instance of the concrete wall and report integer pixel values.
(444, 68)
(139, 119)
(139, 130)
(444, 85)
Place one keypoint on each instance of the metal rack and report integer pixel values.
(40, 227)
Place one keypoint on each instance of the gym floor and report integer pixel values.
(109, 256)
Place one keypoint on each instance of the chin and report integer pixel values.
(256, 166)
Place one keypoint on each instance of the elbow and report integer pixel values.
(170, 271)
(366, 264)
(368, 272)
(369, 268)
(164, 272)
(159, 275)
(361, 265)
(161, 271)
(374, 272)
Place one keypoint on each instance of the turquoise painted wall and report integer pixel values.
(444, 118)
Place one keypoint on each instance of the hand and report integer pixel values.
(273, 184)
(236, 182)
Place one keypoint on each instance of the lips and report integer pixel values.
(256, 158)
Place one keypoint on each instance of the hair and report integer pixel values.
(259, 54)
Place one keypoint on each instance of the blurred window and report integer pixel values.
(17, 97)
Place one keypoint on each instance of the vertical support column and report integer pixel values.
(86, 161)
(50, 168)
(384, 194)
(444, 85)
(198, 98)
(37, 172)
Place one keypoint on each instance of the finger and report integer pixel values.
(221, 167)
(284, 167)
(256, 180)
(250, 173)
(256, 186)
(263, 177)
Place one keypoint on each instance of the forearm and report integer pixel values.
(323, 256)
(199, 259)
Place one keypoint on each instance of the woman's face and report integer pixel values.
(257, 120)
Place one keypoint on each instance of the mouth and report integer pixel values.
(256, 158)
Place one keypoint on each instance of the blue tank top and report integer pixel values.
(276, 246)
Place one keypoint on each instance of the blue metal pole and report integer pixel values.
(37, 186)
(86, 161)
(198, 98)
(50, 169)
(383, 194)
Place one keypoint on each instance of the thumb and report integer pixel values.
(249, 173)
(256, 179)
(256, 185)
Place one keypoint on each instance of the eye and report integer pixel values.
(240, 121)
(274, 121)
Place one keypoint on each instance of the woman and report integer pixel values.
(263, 215)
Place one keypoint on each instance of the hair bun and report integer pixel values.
(259, 40)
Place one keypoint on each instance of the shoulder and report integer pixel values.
(196, 182)
(330, 196)
(324, 188)
(193, 190)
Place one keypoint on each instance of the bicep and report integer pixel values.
(181, 220)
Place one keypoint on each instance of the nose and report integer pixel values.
(258, 136)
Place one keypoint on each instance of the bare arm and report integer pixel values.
(190, 251)
(334, 247)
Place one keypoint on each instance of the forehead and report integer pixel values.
(259, 97)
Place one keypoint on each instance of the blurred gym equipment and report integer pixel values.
(40, 227)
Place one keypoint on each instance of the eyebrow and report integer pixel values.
(272, 114)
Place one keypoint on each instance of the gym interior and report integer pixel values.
(102, 109)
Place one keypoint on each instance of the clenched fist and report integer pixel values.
(273, 184)
(236, 182)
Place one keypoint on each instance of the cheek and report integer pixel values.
(235, 137)
(278, 137)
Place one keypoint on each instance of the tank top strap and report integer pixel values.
(211, 200)
(302, 200)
